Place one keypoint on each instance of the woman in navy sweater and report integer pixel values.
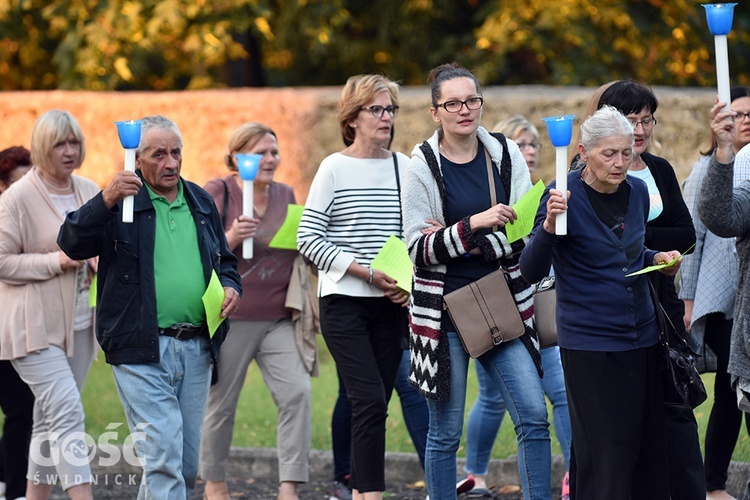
(607, 331)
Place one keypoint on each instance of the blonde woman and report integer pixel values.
(46, 328)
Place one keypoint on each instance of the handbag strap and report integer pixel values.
(663, 319)
(491, 180)
(398, 188)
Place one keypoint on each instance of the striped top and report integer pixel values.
(351, 210)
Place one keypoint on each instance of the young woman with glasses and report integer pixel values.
(448, 226)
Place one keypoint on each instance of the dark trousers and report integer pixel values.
(413, 407)
(17, 403)
(725, 420)
(687, 480)
(363, 336)
(616, 406)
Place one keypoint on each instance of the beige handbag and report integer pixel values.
(545, 310)
(484, 312)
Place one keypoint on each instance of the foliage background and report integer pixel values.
(195, 44)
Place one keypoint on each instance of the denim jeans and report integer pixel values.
(487, 413)
(511, 368)
(165, 403)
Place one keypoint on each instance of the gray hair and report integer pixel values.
(157, 122)
(606, 122)
(515, 125)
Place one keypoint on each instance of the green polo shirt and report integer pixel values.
(178, 271)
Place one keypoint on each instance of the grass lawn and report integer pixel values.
(256, 416)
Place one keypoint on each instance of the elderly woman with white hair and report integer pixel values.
(46, 331)
(608, 334)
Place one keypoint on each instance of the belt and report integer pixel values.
(182, 331)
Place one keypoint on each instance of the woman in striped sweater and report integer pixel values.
(448, 218)
(351, 210)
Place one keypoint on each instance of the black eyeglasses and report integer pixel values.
(740, 116)
(377, 111)
(526, 145)
(646, 122)
(455, 106)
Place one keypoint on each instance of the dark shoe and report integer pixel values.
(340, 491)
(465, 484)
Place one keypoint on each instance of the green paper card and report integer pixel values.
(92, 292)
(286, 237)
(212, 300)
(393, 259)
(526, 209)
(660, 266)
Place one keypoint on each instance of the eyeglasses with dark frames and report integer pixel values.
(740, 116)
(472, 103)
(647, 122)
(377, 111)
(523, 146)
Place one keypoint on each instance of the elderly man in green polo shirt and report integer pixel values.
(151, 321)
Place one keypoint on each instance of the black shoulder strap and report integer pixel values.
(398, 188)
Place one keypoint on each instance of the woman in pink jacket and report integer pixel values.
(46, 327)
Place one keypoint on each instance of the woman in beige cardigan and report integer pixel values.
(46, 327)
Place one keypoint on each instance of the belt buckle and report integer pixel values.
(178, 334)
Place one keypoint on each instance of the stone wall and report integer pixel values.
(305, 121)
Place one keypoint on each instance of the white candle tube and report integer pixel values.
(247, 209)
(722, 70)
(561, 184)
(127, 202)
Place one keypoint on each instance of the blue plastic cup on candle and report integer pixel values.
(130, 133)
(719, 17)
(560, 129)
(247, 165)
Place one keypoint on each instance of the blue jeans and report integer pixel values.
(512, 370)
(487, 413)
(169, 399)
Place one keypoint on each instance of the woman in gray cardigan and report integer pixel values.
(726, 212)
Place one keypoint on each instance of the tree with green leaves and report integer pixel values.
(191, 44)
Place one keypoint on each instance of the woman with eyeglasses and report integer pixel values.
(708, 286)
(455, 236)
(353, 207)
(526, 136)
(488, 410)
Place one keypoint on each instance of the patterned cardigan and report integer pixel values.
(424, 196)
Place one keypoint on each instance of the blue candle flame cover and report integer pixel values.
(247, 165)
(560, 129)
(130, 133)
(719, 17)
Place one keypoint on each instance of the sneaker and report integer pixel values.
(565, 487)
(464, 484)
(340, 491)
(479, 493)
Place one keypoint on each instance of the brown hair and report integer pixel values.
(12, 158)
(446, 72)
(358, 91)
(246, 136)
